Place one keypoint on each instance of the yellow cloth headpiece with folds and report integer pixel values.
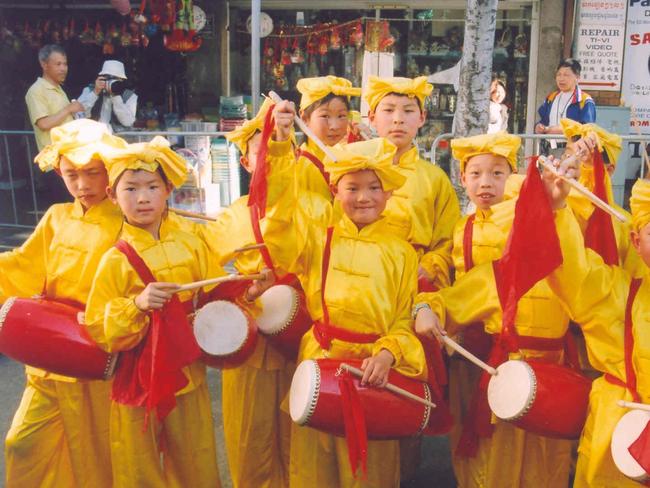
(375, 154)
(148, 156)
(640, 204)
(378, 88)
(314, 89)
(242, 134)
(499, 144)
(80, 141)
(608, 142)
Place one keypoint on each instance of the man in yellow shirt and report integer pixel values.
(47, 103)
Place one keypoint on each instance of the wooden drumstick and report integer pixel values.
(192, 215)
(390, 387)
(464, 352)
(638, 406)
(305, 128)
(252, 247)
(583, 190)
(221, 279)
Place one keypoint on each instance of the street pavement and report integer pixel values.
(434, 470)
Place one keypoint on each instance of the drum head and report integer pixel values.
(303, 395)
(220, 328)
(278, 306)
(512, 391)
(626, 432)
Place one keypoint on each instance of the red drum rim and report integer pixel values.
(627, 430)
(501, 386)
(295, 305)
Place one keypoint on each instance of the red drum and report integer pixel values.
(284, 318)
(226, 333)
(46, 334)
(544, 398)
(315, 401)
(627, 431)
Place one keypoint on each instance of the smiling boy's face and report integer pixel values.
(484, 179)
(362, 196)
(397, 118)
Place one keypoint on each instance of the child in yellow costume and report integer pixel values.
(364, 310)
(541, 323)
(597, 297)
(59, 435)
(425, 209)
(176, 447)
(257, 432)
(324, 106)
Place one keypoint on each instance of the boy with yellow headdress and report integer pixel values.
(256, 430)
(425, 209)
(324, 106)
(161, 424)
(360, 301)
(612, 308)
(59, 435)
(473, 310)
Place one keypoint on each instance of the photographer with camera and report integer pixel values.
(109, 100)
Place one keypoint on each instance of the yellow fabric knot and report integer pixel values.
(147, 156)
(315, 89)
(80, 141)
(640, 204)
(499, 144)
(610, 143)
(378, 88)
(375, 154)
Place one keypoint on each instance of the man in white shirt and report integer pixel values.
(109, 100)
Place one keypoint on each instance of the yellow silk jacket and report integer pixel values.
(424, 212)
(372, 274)
(112, 318)
(309, 176)
(61, 256)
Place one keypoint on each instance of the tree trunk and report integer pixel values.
(472, 109)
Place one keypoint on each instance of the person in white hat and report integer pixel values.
(109, 100)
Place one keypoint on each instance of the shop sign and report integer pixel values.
(600, 42)
(635, 91)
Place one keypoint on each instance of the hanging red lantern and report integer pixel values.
(335, 39)
(356, 35)
(323, 44)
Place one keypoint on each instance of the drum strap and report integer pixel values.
(316, 162)
(628, 346)
(150, 374)
(324, 332)
(259, 238)
(259, 184)
(468, 237)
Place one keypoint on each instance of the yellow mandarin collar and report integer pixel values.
(313, 148)
(350, 229)
(102, 210)
(143, 237)
(409, 158)
(482, 215)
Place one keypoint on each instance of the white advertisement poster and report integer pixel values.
(635, 92)
(600, 43)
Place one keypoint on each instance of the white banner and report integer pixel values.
(600, 42)
(635, 91)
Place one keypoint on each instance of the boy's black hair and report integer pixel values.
(417, 100)
(571, 63)
(306, 113)
(159, 170)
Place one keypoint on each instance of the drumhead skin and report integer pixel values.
(626, 432)
(279, 304)
(220, 328)
(303, 394)
(512, 390)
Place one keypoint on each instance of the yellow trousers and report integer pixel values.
(320, 460)
(512, 457)
(257, 432)
(178, 452)
(59, 437)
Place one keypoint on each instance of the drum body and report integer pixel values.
(226, 334)
(544, 398)
(46, 334)
(627, 431)
(284, 318)
(315, 401)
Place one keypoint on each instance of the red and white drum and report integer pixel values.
(627, 431)
(544, 398)
(46, 334)
(284, 318)
(315, 401)
(226, 333)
